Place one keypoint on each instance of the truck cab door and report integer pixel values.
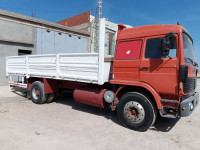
(158, 71)
(127, 60)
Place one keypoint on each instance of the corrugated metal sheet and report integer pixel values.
(51, 42)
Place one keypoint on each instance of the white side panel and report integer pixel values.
(16, 65)
(79, 67)
(107, 70)
(42, 65)
(73, 67)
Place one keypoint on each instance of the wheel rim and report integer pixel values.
(35, 92)
(134, 112)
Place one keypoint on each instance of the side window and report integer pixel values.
(129, 49)
(153, 48)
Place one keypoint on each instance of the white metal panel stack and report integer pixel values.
(73, 67)
(79, 67)
(16, 65)
(42, 65)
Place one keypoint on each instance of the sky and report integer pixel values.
(131, 12)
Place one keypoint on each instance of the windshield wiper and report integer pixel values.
(192, 61)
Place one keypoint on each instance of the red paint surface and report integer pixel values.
(71, 84)
(50, 85)
(148, 31)
(161, 74)
(129, 50)
(140, 84)
(90, 96)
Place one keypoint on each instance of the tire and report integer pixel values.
(50, 97)
(136, 111)
(37, 93)
(28, 95)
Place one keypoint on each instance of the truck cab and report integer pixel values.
(160, 58)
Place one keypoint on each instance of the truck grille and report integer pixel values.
(189, 85)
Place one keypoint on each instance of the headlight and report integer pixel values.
(191, 106)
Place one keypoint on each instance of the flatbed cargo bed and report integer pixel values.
(80, 67)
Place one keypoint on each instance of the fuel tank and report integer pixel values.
(90, 96)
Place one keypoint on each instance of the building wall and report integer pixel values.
(80, 21)
(14, 37)
(15, 32)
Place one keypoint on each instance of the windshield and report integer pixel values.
(188, 50)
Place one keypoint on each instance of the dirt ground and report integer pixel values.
(64, 125)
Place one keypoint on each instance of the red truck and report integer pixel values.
(152, 72)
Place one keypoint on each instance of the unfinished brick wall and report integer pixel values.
(81, 21)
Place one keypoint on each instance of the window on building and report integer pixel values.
(153, 48)
(24, 52)
(129, 50)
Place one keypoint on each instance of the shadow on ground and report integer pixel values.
(164, 124)
(67, 99)
(161, 124)
(19, 91)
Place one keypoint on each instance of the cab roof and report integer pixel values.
(149, 30)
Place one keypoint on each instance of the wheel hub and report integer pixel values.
(134, 111)
(35, 92)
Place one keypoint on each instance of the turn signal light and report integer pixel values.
(181, 85)
(183, 108)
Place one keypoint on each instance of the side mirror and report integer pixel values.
(166, 44)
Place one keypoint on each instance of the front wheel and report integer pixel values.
(136, 111)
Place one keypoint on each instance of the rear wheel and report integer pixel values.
(136, 111)
(38, 95)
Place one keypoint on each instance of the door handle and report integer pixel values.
(144, 69)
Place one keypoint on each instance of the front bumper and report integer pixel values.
(188, 105)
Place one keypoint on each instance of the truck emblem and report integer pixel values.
(128, 52)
